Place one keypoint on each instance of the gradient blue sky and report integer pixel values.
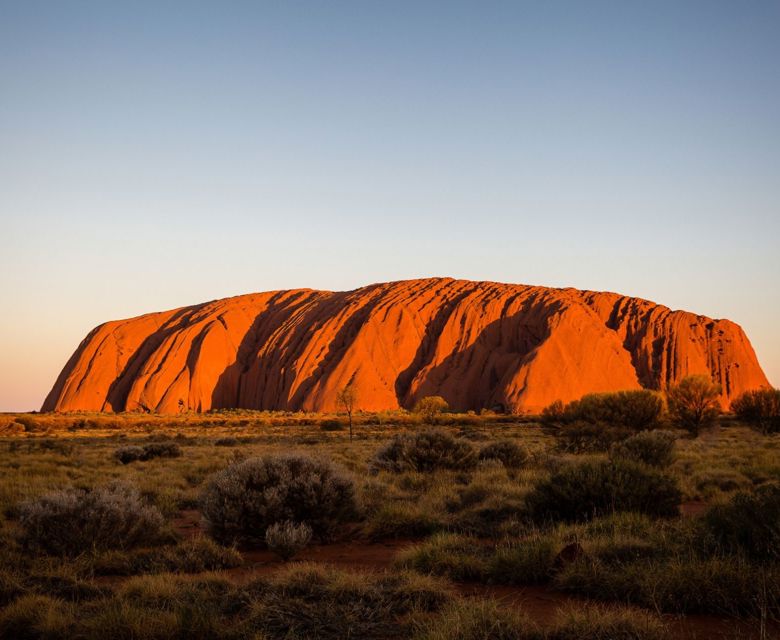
(157, 154)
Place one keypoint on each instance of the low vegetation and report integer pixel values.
(760, 408)
(287, 538)
(649, 520)
(430, 406)
(69, 522)
(508, 452)
(426, 451)
(636, 410)
(240, 503)
(131, 453)
(748, 524)
(592, 488)
(653, 448)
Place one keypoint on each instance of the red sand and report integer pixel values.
(539, 603)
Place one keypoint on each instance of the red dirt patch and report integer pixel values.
(693, 509)
(539, 603)
(187, 525)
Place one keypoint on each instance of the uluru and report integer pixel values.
(479, 345)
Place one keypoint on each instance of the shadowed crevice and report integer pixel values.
(120, 387)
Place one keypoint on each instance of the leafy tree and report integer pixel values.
(430, 406)
(694, 403)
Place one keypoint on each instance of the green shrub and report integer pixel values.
(686, 584)
(332, 424)
(70, 522)
(581, 491)
(654, 448)
(508, 452)
(131, 453)
(445, 554)
(636, 409)
(748, 523)
(242, 501)
(694, 403)
(760, 408)
(717, 480)
(426, 451)
(553, 414)
(162, 607)
(430, 406)
(528, 561)
(585, 437)
(287, 538)
(161, 450)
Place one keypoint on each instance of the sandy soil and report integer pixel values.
(540, 603)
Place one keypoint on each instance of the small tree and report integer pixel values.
(347, 398)
(431, 406)
(694, 403)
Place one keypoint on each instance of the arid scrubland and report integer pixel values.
(241, 524)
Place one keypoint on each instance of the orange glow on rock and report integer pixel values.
(477, 344)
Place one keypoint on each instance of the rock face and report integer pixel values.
(477, 344)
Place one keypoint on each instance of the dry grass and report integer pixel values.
(470, 524)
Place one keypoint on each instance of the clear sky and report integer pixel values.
(158, 154)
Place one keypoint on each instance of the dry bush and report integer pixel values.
(242, 501)
(403, 520)
(508, 452)
(195, 555)
(70, 522)
(654, 448)
(478, 620)
(429, 450)
(33, 617)
(287, 538)
(131, 453)
(592, 622)
(312, 601)
(682, 583)
(332, 424)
